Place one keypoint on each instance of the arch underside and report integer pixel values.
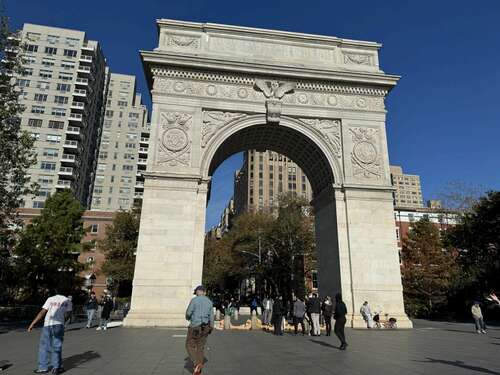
(283, 140)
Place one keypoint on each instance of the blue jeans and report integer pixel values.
(90, 317)
(50, 347)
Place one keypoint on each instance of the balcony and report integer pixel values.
(142, 161)
(73, 130)
(86, 46)
(143, 150)
(80, 92)
(144, 140)
(65, 171)
(82, 81)
(83, 69)
(71, 144)
(63, 184)
(78, 105)
(138, 195)
(86, 58)
(68, 158)
(76, 117)
(139, 185)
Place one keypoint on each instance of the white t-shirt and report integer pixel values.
(56, 307)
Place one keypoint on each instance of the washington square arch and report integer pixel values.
(218, 90)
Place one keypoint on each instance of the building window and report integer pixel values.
(48, 61)
(32, 48)
(35, 122)
(37, 204)
(128, 167)
(48, 165)
(124, 190)
(37, 109)
(69, 53)
(411, 217)
(63, 87)
(61, 99)
(68, 65)
(50, 50)
(94, 228)
(45, 74)
(97, 189)
(42, 85)
(40, 97)
(314, 278)
(27, 72)
(59, 112)
(122, 103)
(53, 138)
(397, 234)
(50, 152)
(66, 76)
(23, 82)
(130, 145)
(56, 124)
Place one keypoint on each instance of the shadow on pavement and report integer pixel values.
(322, 343)
(80, 359)
(461, 364)
(4, 365)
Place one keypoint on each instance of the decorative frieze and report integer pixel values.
(183, 41)
(174, 143)
(357, 59)
(365, 154)
(214, 121)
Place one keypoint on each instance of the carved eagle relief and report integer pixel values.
(274, 89)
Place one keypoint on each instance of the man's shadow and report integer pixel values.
(461, 364)
(322, 343)
(4, 365)
(79, 359)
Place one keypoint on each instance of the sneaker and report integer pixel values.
(59, 370)
(38, 371)
(478, 331)
(483, 331)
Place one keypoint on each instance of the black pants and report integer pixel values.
(339, 329)
(296, 322)
(328, 324)
(277, 325)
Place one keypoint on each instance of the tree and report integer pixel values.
(119, 247)
(47, 254)
(428, 270)
(477, 240)
(16, 154)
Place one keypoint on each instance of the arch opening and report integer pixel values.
(283, 140)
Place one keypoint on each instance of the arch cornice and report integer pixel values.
(238, 124)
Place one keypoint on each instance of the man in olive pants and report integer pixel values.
(201, 318)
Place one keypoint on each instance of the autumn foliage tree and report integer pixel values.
(428, 270)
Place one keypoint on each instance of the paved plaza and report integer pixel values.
(430, 348)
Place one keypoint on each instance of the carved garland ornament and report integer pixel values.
(183, 41)
(174, 143)
(330, 129)
(365, 155)
(215, 120)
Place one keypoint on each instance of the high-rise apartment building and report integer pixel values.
(265, 176)
(408, 191)
(123, 149)
(63, 83)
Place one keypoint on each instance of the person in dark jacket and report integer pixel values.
(91, 307)
(340, 320)
(315, 311)
(299, 310)
(327, 309)
(107, 307)
(277, 317)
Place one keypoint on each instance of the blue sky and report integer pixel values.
(444, 116)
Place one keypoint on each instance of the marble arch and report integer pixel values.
(219, 89)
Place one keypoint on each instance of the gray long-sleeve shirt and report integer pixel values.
(200, 311)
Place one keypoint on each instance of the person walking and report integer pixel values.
(477, 314)
(51, 340)
(253, 306)
(339, 315)
(327, 309)
(69, 311)
(315, 306)
(91, 307)
(200, 315)
(267, 305)
(277, 316)
(366, 313)
(107, 307)
(299, 310)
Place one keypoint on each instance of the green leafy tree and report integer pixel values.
(477, 239)
(47, 253)
(119, 247)
(428, 270)
(16, 154)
